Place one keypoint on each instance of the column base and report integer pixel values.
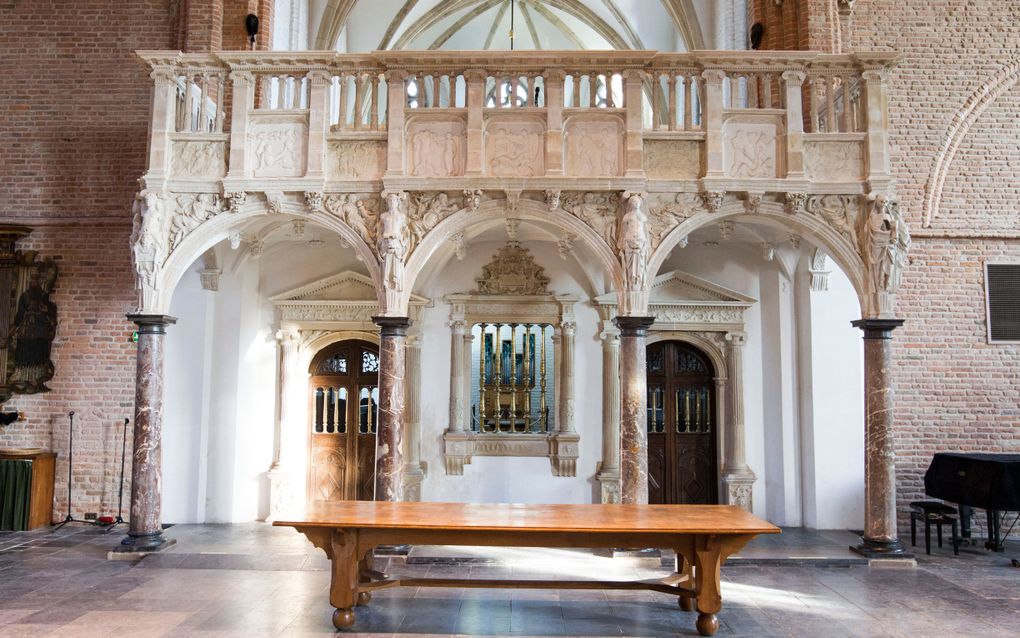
(609, 481)
(872, 549)
(739, 489)
(148, 543)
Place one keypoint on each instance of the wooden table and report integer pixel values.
(702, 536)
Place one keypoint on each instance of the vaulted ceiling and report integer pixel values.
(365, 25)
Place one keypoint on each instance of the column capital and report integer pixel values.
(794, 77)
(151, 324)
(877, 328)
(736, 339)
(633, 326)
(392, 326)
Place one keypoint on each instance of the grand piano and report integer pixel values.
(986, 481)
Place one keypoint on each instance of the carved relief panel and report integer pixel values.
(199, 159)
(356, 159)
(834, 161)
(436, 147)
(672, 159)
(277, 146)
(751, 148)
(515, 148)
(594, 146)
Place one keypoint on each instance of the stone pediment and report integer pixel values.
(680, 286)
(344, 297)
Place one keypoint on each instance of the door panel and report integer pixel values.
(344, 408)
(682, 466)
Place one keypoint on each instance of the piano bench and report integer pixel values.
(937, 514)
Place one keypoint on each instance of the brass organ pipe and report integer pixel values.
(497, 351)
(687, 410)
(513, 377)
(526, 380)
(481, 380)
(708, 411)
(541, 408)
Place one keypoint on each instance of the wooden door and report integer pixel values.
(682, 465)
(344, 396)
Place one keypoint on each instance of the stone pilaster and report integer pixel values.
(389, 465)
(880, 536)
(608, 473)
(145, 531)
(281, 480)
(737, 476)
(458, 403)
(413, 471)
(633, 408)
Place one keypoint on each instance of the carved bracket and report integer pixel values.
(562, 448)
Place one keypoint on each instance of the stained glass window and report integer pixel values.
(369, 361)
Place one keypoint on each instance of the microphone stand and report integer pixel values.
(70, 468)
(120, 494)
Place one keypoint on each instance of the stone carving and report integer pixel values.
(552, 198)
(512, 224)
(768, 251)
(833, 161)
(210, 273)
(393, 240)
(278, 149)
(512, 271)
(199, 159)
(424, 211)
(633, 247)
(593, 148)
(598, 210)
(726, 228)
(698, 314)
(314, 201)
(149, 245)
(437, 149)
(751, 150)
(472, 199)
(192, 211)
(795, 203)
(884, 241)
(818, 272)
(672, 159)
(513, 199)
(752, 203)
(353, 159)
(339, 311)
(515, 149)
(666, 216)
(740, 495)
(298, 228)
(839, 211)
(565, 246)
(794, 239)
(274, 201)
(713, 200)
(361, 214)
(236, 200)
(459, 246)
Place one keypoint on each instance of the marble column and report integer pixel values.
(413, 474)
(633, 409)
(458, 409)
(880, 534)
(737, 476)
(145, 530)
(389, 464)
(608, 473)
(566, 396)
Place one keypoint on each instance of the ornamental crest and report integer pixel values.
(512, 271)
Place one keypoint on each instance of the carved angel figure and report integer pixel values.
(429, 211)
(393, 242)
(633, 243)
(598, 211)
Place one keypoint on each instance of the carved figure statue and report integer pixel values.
(148, 241)
(393, 242)
(633, 242)
(885, 241)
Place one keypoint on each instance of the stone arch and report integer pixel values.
(962, 121)
(494, 210)
(216, 229)
(842, 250)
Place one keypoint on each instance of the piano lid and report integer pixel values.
(979, 479)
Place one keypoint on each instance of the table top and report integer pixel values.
(649, 519)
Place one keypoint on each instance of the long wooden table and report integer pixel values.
(702, 536)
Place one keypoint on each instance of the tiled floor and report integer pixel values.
(254, 580)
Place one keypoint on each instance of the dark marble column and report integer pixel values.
(145, 531)
(633, 409)
(389, 462)
(880, 535)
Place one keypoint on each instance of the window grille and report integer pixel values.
(1002, 299)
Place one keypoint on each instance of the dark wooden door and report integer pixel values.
(344, 395)
(682, 466)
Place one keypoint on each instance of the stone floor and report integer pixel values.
(254, 580)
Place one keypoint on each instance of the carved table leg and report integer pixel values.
(707, 574)
(343, 588)
(364, 570)
(685, 568)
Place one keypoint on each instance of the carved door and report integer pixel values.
(682, 465)
(344, 396)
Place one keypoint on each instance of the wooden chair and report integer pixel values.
(933, 513)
